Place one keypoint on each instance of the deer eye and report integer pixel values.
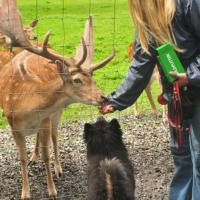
(77, 81)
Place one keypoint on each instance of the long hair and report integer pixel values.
(153, 20)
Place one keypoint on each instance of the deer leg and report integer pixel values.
(135, 109)
(54, 135)
(20, 142)
(45, 136)
(36, 151)
(164, 114)
(151, 101)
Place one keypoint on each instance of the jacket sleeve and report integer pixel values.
(135, 81)
(193, 72)
(192, 16)
(192, 13)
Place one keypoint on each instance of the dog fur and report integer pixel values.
(110, 172)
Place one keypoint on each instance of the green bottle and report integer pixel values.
(169, 61)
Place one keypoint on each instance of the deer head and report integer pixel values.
(28, 30)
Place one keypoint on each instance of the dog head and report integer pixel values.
(103, 137)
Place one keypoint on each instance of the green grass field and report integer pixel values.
(112, 29)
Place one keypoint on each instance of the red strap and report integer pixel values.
(162, 100)
(175, 120)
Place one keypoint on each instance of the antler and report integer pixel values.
(103, 62)
(11, 25)
(88, 63)
(84, 56)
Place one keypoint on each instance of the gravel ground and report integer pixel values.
(146, 140)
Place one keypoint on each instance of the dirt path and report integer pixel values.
(147, 142)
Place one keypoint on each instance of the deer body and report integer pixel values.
(38, 91)
(7, 55)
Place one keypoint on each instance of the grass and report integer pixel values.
(112, 29)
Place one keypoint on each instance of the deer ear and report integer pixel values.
(34, 23)
(63, 71)
(114, 125)
(88, 130)
(61, 67)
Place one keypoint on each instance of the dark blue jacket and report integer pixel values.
(186, 29)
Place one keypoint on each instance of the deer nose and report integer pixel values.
(103, 100)
(34, 38)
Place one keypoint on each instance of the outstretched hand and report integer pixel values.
(182, 78)
(106, 108)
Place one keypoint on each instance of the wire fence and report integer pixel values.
(64, 17)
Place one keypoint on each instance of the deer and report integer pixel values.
(155, 77)
(6, 54)
(28, 30)
(88, 37)
(37, 85)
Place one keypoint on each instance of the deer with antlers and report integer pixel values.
(88, 38)
(6, 54)
(37, 84)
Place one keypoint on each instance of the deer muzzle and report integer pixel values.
(103, 100)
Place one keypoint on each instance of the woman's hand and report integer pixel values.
(106, 108)
(182, 78)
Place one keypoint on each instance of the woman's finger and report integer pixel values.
(174, 74)
(106, 109)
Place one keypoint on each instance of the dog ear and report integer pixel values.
(87, 131)
(114, 125)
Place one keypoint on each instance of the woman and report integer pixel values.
(158, 22)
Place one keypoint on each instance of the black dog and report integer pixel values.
(110, 173)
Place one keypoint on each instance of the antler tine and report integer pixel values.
(103, 62)
(46, 40)
(82, 60)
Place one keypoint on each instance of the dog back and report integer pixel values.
(118, 184)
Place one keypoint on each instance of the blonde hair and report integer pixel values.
(152, 20)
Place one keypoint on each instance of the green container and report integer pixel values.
(169, 61)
